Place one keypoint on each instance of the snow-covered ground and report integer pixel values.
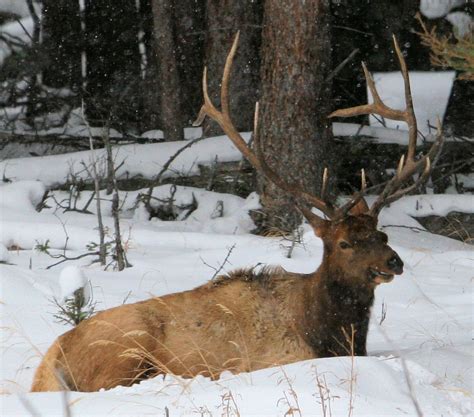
(429, 104)
(424, 341)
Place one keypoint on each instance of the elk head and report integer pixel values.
(355, 252)
(353, 246)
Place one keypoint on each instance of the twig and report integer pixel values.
(67, 258)
(112, 187)
(63, 225)
(292, 409)
(351, 353)
(217, 270)
(127, 297)
(353, 30)
(18, 20)
(339, 68)
(229, 405)
(165, 167)
(323, 395)
(295, 239)
(85, 208)
(413, 228)
(102, 247)
(384, 313)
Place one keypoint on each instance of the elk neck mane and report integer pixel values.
(330, 307)
(266, 276)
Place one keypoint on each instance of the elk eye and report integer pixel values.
(344, 245)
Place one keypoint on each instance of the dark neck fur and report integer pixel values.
(332, 309)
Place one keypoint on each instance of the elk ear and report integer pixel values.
(360, 208)
(318, 224)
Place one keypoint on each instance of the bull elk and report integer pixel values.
(248, 319)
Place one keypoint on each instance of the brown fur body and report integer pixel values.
(240, 322)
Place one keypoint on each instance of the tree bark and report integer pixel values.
(296, 99)
(33, 88)
(63, 47)
(113, 62)
(189, 20)
(150, 86)
(224, 18)
(167, 67)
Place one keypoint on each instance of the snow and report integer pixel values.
(75, 125)
(52, 225)
(18, 31)
(427, 324)
(462, 22)
(424, 338)
(71, 279)
(189, 133)
(138, 160)
(434, 9)
(25, 194)
(428, 205)
(380, 385)
(18, 7)
(382, 135)
(145, 161)
(4, 255)
(429, 103)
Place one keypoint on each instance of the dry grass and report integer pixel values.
(228, 406)
(290, 397)
(455, 225)
(324, 394)
(148, 360)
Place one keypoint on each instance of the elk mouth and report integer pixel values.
(380, 277)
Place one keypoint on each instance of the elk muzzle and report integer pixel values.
(395, 264)
(385, 273)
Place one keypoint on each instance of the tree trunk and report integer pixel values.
(113, 62)
(224, 19)
(33, 88)
(293, 129)
(189, 20)
(167, 68)
(63, 47)
(150, 86)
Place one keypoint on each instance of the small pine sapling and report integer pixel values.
(76, 303)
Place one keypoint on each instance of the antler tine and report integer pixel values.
(256, 160)
(255, 118)
(393, 193)
(342, 211)
(325, 183)
(377, 107)
(407, 166)
(223, 117)
(363, 181)
(226, 76)
(207, 108)
(392, 190)
(410, 118)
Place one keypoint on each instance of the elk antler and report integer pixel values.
(222, 117)
(407, 166)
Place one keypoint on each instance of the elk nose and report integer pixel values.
(395, 264)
